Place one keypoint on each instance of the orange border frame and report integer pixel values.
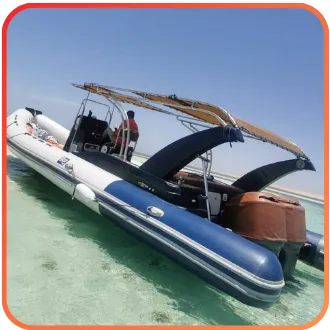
(165, 5)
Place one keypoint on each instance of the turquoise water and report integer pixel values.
(67, 265)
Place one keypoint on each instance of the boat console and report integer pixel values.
(90, 134)
(86, 134)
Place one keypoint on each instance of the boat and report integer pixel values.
(236, 237)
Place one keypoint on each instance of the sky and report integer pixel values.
(262, 65)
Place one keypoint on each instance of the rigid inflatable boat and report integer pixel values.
(238, 238)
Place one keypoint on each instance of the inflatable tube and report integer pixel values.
(222, 258)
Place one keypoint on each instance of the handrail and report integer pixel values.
(122, 112)
(75, 122)
(93, 101)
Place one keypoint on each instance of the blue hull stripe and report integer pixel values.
(191, 250)
(186, 263)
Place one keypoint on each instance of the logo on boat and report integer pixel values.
(62, 161)
(142, 185)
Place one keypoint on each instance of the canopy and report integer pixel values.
(205, 112)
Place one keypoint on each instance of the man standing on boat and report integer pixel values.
(134, 132)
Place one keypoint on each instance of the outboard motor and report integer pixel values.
(277, 223)
(312, 251)
(295, 234)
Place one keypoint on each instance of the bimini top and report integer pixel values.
(208, 113)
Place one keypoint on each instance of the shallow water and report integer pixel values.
(67, 265)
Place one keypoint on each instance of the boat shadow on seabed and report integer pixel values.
(189, 294)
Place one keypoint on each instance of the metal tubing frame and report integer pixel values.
(183, 119)
(83, 111)
(89, 100)
(221, 121)
(194, 129)
(117, 104)
(206, 186)
(123, 114)
(206, 163)
(231, 119)
(84, 102)
(147, 101)
(208, 153)
(192, 120)
(111, 115)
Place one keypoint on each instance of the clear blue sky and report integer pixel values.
(262, 65)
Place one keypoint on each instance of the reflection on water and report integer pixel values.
(68, 265)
